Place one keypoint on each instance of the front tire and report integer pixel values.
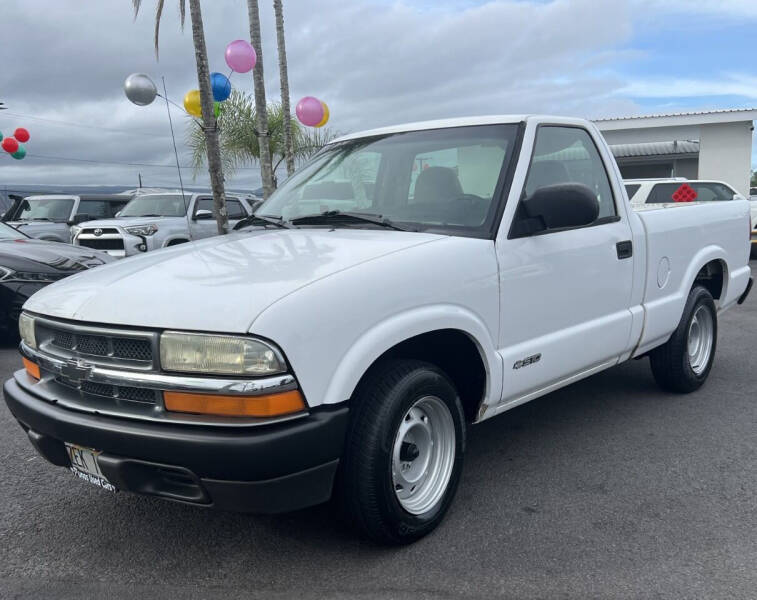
(683, 363)
(404, 452)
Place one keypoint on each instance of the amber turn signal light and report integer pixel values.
(31, 368)
(269, 405)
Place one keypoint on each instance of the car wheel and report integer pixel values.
(684, 362)
(404, 452)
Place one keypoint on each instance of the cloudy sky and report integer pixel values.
(376, 62)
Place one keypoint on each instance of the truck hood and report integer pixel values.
(217, 284)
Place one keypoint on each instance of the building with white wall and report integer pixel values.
(698, 145)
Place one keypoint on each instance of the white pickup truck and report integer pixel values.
(152, 221)
(403, 285)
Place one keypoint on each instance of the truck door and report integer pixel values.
(565, 294)
(203, 222)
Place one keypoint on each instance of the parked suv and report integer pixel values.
(50, 217)
(152, 221)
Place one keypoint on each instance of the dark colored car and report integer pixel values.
(27, 265)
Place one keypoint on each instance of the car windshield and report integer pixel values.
(156, 205)
(9, 233)
(445, 180)
(45, 209)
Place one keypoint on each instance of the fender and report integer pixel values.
(173, 238)
(388, 333)
(664, 313)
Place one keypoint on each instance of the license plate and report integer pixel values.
(84, 466)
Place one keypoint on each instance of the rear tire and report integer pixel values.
(404, 452)
(683, 363)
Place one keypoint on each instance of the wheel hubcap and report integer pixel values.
(423, 455)
(701, 336)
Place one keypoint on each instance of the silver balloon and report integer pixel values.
(140, 89)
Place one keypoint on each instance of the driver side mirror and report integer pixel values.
(203, 215)
(559, 206)
(80, 218)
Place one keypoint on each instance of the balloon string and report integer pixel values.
(176, 154)
(172, 102)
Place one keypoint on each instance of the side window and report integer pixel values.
(234, 209)
(631, 189)
(204, 204)
(97, 209)
(569, 155)
(114, 207)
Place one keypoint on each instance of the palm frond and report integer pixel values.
(239, 139)
(136, 4)
(182, 12)
(158, 15)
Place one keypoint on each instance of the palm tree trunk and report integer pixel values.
(215, 169)
(266, 171)
(284, 77)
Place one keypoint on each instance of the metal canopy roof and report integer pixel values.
(655, 149)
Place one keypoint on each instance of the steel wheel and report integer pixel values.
(700, 338)
(423, 455)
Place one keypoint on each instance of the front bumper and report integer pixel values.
(264, 469)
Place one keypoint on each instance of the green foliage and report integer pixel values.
(753, 180)
(239, 140)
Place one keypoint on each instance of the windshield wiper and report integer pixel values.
(40, 219)
(140, 216)
(330, 216)
(262, 219)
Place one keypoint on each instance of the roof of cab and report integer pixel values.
(437, 124)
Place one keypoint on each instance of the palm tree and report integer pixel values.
(278, 9)
(240, 145)
(266, 170)
(210, 129)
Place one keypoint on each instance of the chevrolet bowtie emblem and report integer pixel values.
(75, 370)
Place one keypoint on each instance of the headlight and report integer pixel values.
(5, 273)
(26, 329)
(75, 229)
(218, 354)
(147, 230)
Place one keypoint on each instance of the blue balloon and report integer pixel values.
(221, 86)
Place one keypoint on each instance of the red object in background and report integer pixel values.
(10, 145)
(685, 193)
(21, 134)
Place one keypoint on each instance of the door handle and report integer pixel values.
(624, 249)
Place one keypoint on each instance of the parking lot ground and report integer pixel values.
(606, 489)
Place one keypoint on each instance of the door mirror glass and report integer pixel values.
(558, 206)
(203, 215)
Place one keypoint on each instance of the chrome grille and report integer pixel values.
(98, 345)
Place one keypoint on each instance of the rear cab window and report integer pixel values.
(689, 191)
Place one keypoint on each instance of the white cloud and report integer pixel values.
(375, 62)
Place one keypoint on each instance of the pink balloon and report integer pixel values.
(241, 56)
(309, 111)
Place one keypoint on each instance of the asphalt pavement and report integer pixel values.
(609, 488)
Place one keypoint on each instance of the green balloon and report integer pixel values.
(1, 136)
(20, 153)
(216, 109)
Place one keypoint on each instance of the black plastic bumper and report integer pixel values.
(264, 469)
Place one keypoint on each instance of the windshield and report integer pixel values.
(156, 205)
(45, 209)
(8, 233)
(440, 180)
